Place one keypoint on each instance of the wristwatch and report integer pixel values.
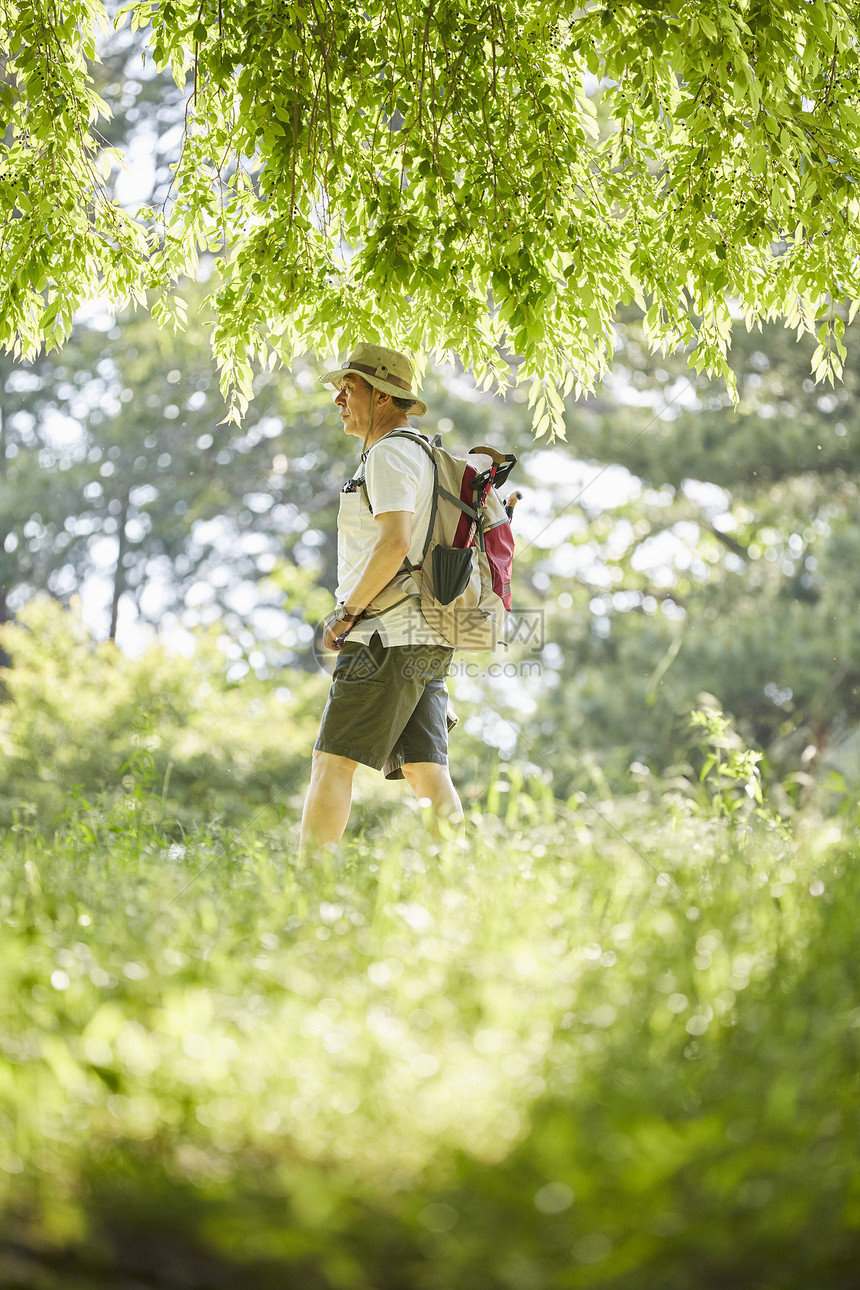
(341, 615)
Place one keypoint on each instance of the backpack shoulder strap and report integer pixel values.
(404, 433)
(428, 448)
(399, 434)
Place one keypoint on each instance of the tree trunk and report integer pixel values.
(5, 617)
(119, 573)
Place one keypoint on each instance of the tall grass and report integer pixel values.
(613, 1047)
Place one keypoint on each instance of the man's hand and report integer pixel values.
(334, 629)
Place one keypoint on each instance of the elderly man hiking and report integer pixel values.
(388, 703)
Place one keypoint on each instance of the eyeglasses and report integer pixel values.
(352, 485)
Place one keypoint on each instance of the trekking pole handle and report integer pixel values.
(503, 464)
(498, 457)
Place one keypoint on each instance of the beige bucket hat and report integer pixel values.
(385, 369)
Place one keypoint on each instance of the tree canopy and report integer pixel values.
(482, 179)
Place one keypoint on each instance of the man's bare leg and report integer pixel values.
(431, 781)
(327, 804)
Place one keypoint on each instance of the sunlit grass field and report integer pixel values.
(613, 1047)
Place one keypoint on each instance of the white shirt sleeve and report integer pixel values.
(393, 474)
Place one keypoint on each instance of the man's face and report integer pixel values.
(353, 402)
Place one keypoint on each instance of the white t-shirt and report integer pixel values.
(399, 477)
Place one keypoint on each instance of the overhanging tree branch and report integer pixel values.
(545, 170)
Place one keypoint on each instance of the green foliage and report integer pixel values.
(783, 426)
(730, 567)
(142, 462)
(730, 772)
(532, 1066)
(467, 180)
(83, 718)
(114, 463)
(64, 239)
(611, 1044)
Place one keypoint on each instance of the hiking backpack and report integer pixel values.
(464, 575)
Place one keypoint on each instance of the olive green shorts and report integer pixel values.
(387, 705)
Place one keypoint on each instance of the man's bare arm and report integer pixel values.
(394, 537)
